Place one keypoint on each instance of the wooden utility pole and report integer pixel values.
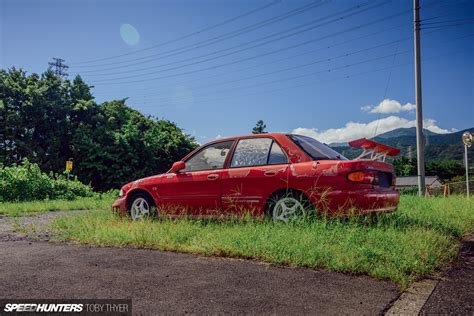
(420, 146)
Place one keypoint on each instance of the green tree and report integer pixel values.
(259, 128)
(47, 120)
(405, 167)
(445, 169)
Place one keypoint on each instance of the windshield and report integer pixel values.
(315, 149)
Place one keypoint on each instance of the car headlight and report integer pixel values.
(121, 193)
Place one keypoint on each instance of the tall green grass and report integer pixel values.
(97, 202)
(421, 237)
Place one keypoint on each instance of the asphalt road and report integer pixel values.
(454, 294)
(165, 282)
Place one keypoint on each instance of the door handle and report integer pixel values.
(270, 173)
(213, 176)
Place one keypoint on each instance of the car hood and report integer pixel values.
(142, 182)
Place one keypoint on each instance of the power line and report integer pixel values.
(177, 51)
(209, 41)
(313, 82)
(289, 57)
(262, 54)
(388, 84)
(111, 80)
(444, 26)
(321, 60)
(205, 29)
(190, 47)
(447, 21)
(300, 66)
(434, 17)
(326, 70)
(325, 47)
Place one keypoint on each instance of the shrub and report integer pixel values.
(408, 191)
(26, 182)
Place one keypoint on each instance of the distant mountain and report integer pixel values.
(410, 131)
(437, 146)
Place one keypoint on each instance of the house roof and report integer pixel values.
(413, 181)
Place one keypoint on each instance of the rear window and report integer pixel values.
(315, 149)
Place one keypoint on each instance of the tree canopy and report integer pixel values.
(48, 120)
(446, 170)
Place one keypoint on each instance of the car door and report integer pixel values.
(258, 167)
(196, 189)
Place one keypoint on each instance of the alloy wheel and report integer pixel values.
(288, 209)
(139, 209)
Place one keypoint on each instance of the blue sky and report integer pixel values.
(321, 68)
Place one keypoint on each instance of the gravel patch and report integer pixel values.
(31, 227)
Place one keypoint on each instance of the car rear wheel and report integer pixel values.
(141, 207)
(289, 207)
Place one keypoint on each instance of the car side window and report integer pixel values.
(251, 152)
(277, 156)
(209, 158)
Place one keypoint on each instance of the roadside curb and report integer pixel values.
(412, 300)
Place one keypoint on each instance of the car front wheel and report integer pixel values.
(140, 207)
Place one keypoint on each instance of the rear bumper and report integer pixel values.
(363, 201)
(120, 206)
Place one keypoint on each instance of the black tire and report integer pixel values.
(145, 202)
(283, 202)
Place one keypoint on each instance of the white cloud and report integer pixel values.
(389, 106)
(355, 130)
(430, 125)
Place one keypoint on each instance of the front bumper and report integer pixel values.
(120, 206)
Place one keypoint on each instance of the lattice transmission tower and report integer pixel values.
(58, 67)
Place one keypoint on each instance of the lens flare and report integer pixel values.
(129, 34)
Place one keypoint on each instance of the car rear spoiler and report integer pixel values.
(373, 150)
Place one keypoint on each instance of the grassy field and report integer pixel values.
(421, 237)
(99, 202)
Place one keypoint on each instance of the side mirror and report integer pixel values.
(177, 167)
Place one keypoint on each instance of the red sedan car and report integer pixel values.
(283, 176)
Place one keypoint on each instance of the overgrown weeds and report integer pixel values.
(421, 237)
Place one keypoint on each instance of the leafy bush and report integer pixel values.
(408, 191)
(26, 182)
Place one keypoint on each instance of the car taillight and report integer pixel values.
(369, 177)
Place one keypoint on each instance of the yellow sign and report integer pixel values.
(69, 165)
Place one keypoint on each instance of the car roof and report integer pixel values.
(279, 137)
